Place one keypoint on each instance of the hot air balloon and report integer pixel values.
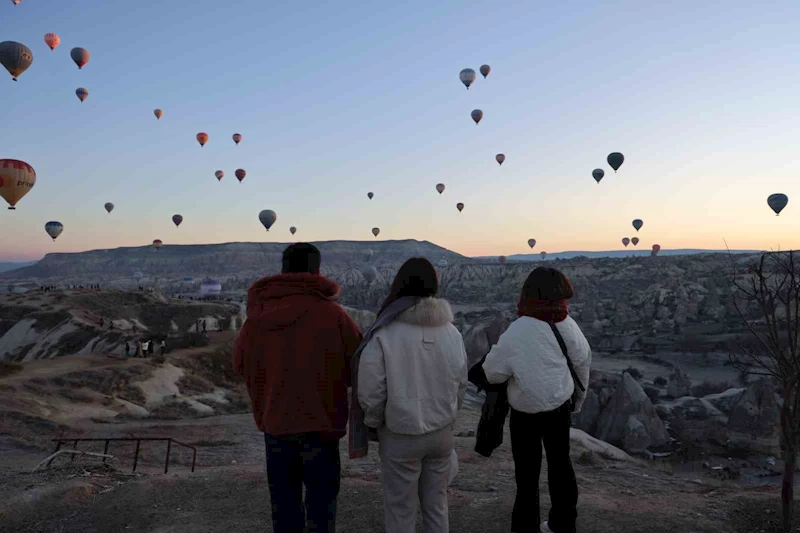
(598, 174)
(777, 202)
(500, 158)
(109, 207)
(237, 138)
(267, 218)
(625, 242)
(16, 57)
(370, 195)
(80, 56)
(202, 138)
(54, 229)
(158, 113)
(440, 187)
(460, 207)
(543, 254)
(501, 260)
(219, 174)
(369, 273)
(177, 219)
(81, 93)
(485, 70)
(376, 231)
(157, 244)
(477, 115)
(637, 224)
(16, 2)
(656, 248)
(240, 174)
(368, 253)
(635, 241)
(467, 77)
(615, 160)
(52, 40)
(137, 275)
(16, 179)
(292, 230)
(531, 243)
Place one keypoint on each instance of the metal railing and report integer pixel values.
(59, 442)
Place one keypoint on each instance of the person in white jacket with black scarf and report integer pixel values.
(542, 394)
(412, 377)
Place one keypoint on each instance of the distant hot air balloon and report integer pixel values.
(531, 243)
(109, 207)
(82, 93)
(369, 273)
(240, 174)
(598, 174)
(460, 207)
(267, 218)
(292, 230)
(543, 254)
(158, 113)
(625, 242)
(54, 229)
(615, 160)
(467, 77)
(656, 248)
(177, 219)
(477, 115)
(219, 174)
(16, 179)
(368, 253)
(237, 138)
(440, 187)
(502, 260)
(52, 40)
(16, 2)
(376, 231)
(80, 56)
(637, 224)
(370, 195)
(485, 70)
(500, 158)
(157, 244)
(777, 202)
(137, 275)
(202, 138)
(635, 241)
(16, 57)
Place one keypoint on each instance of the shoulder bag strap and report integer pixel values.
(563, 346)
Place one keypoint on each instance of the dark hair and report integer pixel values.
(546, 283)
(416, 277)
(301, 257)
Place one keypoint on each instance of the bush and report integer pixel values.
(660, 382)
(634, 372)
(710, 387)
(9, 367)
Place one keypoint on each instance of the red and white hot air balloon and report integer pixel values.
(52, 40)
(202, 138)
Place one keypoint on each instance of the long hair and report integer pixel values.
(546, 283)
(416, 277)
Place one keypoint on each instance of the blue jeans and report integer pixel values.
(297, 460)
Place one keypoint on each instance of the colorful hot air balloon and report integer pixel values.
(625, 242)
(16, 2)
(202, 138)
(370, 195)
(598, 174)
(16, 57)
(80, 56)
(237, 138)
(267, 218)
(635, 241)
(52, 40)
(615, 160)
(82, 93)
(158, 113)
(109, 207)
(656, 248)
(219, 174)
(157, 244)
(16, 179)
(543, 254)
(637, 224)
(777, 202)
(501, 260)
(460, 207)
(240, 174)
(477, 115)
(292, 230)
(177, 219)
(369, 273)
(531, 243)
(467, 77)
(440, 188)
(376, 231)
(500, 158)
(485, 70)
(54, 229)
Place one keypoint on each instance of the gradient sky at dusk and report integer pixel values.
(350, 97)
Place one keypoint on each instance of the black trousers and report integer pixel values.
(299, 460)
(528, 432)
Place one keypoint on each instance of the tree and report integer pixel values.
(767, 299)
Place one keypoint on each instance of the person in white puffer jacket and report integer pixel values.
(542, 394)
(412, 377)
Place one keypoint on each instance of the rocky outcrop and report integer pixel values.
(725, 401)
(754, 419)
(480, 337)
(693, 408)
(679, 383)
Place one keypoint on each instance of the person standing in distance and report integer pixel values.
(294, 352)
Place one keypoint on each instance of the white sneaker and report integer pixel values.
(545, 528)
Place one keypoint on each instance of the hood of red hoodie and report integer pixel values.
(280, 301)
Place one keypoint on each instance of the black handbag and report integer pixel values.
(574, 374)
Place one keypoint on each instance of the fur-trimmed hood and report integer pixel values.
(429, 312)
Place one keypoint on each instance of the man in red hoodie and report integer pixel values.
(294, 351)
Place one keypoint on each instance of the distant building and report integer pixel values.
(210, 289)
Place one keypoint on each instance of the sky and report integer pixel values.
(345, 98)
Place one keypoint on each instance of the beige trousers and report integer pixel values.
(416, 470)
